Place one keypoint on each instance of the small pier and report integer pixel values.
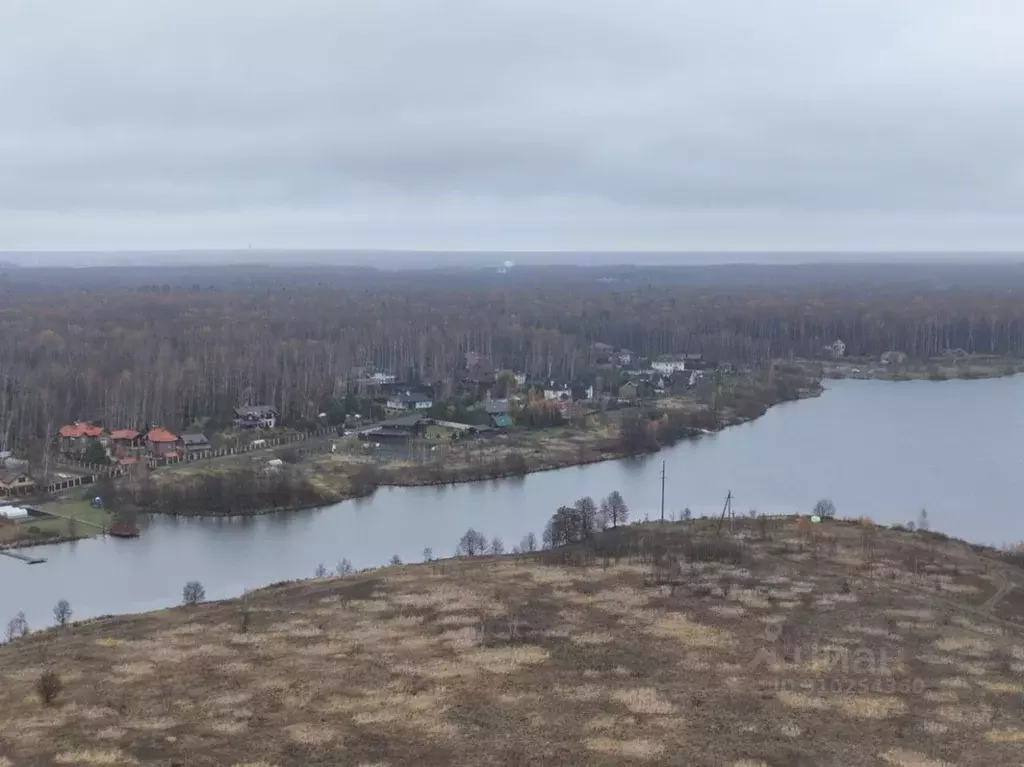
(22, 557)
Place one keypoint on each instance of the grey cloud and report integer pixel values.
(486, 124)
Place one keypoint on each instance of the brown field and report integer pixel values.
(663, 645)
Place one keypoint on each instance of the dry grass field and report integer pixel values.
(771, 646)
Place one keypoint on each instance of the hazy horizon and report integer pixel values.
(406, 259)
(467, 126)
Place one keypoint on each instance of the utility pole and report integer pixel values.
(727, 508)
(663, 492)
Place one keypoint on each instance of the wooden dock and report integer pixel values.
(22, 557)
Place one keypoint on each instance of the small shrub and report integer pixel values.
(244, 618)
(845, 588)
(48, 687)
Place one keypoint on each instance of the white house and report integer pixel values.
(520, 379)
(558, 394)
(838, 348)
(383, 378)
(668, 366)
(409, 401)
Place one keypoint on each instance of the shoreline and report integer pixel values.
(401, 477)
(937, 370)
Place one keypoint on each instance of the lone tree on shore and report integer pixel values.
(614, 509)
(825, 509)
(344, 568)
(529, 543)
(471, 544)
(497, 547)
(62, 613)
(193, 593)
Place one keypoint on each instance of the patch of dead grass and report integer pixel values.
(637, 748)
(643, 700)
(901, 757)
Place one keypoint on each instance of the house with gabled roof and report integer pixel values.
(160, 443)
(75, 437)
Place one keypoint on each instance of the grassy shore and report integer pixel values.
(651, 645)
(88, 522)
(939, 369)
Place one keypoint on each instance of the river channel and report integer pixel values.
(875, 448)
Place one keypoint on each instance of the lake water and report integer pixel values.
(879, 449)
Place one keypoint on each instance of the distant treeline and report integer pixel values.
(167, 346)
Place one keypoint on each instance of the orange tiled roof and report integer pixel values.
(160, 435)
(127, 461)
(81, 429)
(124, 434)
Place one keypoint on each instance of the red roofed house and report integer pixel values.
(75, 437)
(125, 443)
(161, 443)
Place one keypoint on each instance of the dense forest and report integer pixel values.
(164, 345)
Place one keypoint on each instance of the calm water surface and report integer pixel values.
(875, 448)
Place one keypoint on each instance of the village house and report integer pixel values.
(628, 391)
(520, 378)
(256, 417)
(497, 411)
(160, 443)
(893, 358)
(15, 482)
(75, 438)
(838, 348)
(409, 401)
(196, 445)
(624, 357)
(124, 442)
(479, 377)
(668, 365)
(560, 394)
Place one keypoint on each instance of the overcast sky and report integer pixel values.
(512, 124)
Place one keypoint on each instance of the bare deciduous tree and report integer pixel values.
(825, 509)
(471, 544)
(17, 627)
(497, 547)
(193, 593)
(615, 508)
(62, 612)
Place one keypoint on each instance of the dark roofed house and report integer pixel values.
(196, 444)
(256, 417)
(15, 482)
(497, 410)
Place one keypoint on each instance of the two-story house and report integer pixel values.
(256, 417)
